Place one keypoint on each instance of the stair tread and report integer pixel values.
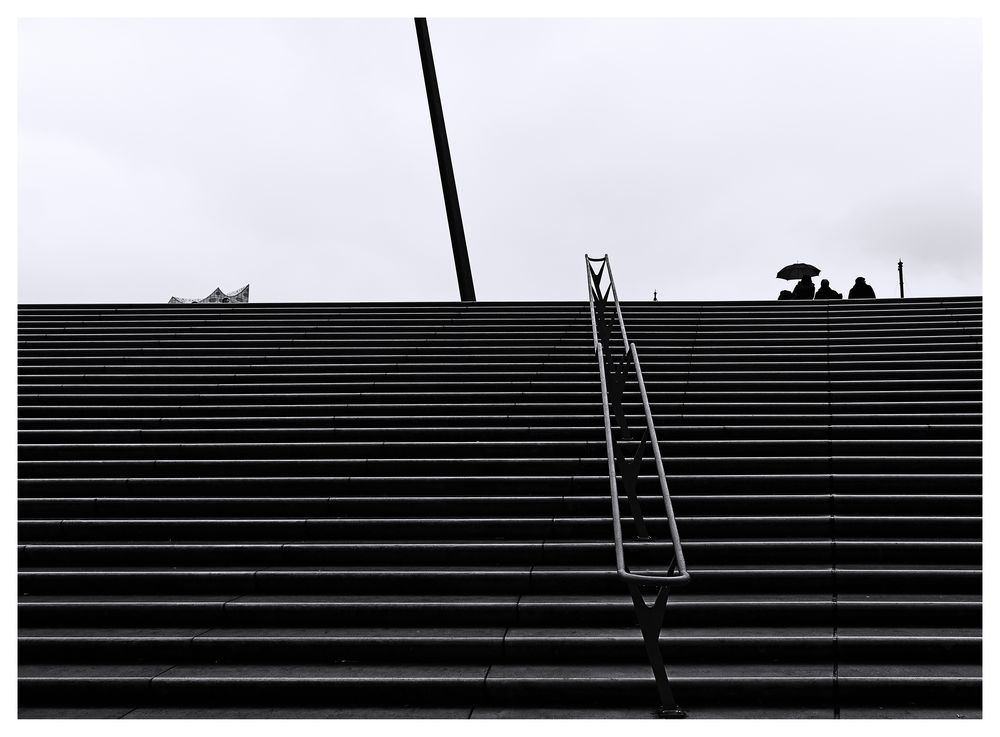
(245, 712)
(910, 670)
(572, 633)
(341, 671)
(139, 671)
(500, 569)
(525, 599)
(108, 633)
(457, 544)
(640, 672)
(909, 632)
(329, 633)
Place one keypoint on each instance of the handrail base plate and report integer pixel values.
(675, 713)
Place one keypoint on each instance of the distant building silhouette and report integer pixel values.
(216, 297)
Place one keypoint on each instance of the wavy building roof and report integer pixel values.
(218, 296)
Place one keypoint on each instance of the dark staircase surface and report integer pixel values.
(402, 510)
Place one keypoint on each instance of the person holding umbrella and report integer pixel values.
(805, 289)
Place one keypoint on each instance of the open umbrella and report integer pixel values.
(797, 271)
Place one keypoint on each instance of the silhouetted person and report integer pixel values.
(785, 294)
(824, 291)
(860, 290)
(805, 289)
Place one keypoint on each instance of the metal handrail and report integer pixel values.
(650, 616)
(682, 576)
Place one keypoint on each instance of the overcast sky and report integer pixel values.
(168, 157)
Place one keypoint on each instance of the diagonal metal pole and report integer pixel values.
(465, 287)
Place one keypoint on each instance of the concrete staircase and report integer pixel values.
(402, 510)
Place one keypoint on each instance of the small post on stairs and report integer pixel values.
(900, 278)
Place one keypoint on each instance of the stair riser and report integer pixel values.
(755, 451)
(452, 612)
(655, 343)
(301, 378)
(168, 330)
(211, 648)
(143, 389)
(492, 434)
(92, 692)
(961, 484)
(964, 554)
(924, 505)
(878, 367)
(817, 692)
(378, 400)
(821, 421)
(291, 530)
(486, 581)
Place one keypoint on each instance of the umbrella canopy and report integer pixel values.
(797, 271)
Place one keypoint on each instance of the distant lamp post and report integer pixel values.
(466, 289)
(654, 295)
(900, 278)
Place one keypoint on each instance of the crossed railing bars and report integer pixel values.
(623, 468)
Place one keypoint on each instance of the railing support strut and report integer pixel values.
(625, 468)
(650, 624)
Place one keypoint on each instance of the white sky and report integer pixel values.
(168, 157)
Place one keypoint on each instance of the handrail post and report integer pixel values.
(650, 624)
